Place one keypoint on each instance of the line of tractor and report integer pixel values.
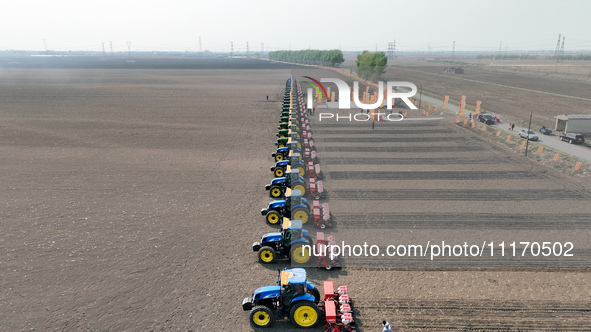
(297, 174)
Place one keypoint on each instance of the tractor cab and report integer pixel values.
(283, 133)
(291, 179)
(282, 153)
(293, 286)
(292, 198)
(294, 160)
(292, 232)
(293, 206)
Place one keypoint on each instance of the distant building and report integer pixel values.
(574, 123)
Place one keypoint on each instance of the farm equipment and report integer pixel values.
(289, 243)
(281, 142)
(292, 179)
(321, 214)
(283, 153)
(294, 297)
(293, 160)
(294, 206)
(316, 189)
(298, 299)
(545, 131)
(314, 171)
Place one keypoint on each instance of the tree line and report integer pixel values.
(331, 58)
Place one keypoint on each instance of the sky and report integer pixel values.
(177, 25)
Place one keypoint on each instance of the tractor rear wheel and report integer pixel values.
(278, 157)
(302, 170)
(314, 292)
(281, 145)
(275, 192)
(273, 217)
(299, 254)
(304, 314)
(299, 214)
(267, 255)
(279, 172)
(301, 187)
(261, 316)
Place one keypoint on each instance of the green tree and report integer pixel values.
(371, 65)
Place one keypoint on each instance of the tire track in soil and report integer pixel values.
(490, 195)
(408, 161)
(485, 221)
(490, 315)
(357, 124)
(382, 139)
(398, 131)
(498, 260)
(431, 175)
(391, 149)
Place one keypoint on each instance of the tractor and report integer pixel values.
(289, 125)
(292, 179)
(281, 142)
(283, 153)
(294, 160)
(295, 297)
(289, 243)
(294, 206)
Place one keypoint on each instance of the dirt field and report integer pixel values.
(131, 198)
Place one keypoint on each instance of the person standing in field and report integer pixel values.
(387, 327)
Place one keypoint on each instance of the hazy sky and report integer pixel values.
(176, 25)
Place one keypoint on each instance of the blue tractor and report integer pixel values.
(294, 160)
(294, 297)
(294, 206)
(283, 153)
(289, 243)
(292, 179)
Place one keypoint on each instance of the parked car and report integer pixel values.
(531, 135)
(573, 138)
(486, 118)
(545, 131)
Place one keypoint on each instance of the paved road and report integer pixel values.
(553, 142)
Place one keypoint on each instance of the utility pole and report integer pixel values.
(453, 50)
(231, 48)
(111, 46)
(247, 50)
(103, 47)
(128, 48)
(528, 129)
(421, 97)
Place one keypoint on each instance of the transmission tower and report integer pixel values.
(247, 50)
(111, 46)
(562, 47)
(128, 48)
(200, 46)
(557, 46)
(231, 48)
(103, 47)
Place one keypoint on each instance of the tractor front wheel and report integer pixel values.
(304, 314)
(279, 172)
(278, 157)
(273, 217)
(261, 316)
(267, 255)
(275, 192)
